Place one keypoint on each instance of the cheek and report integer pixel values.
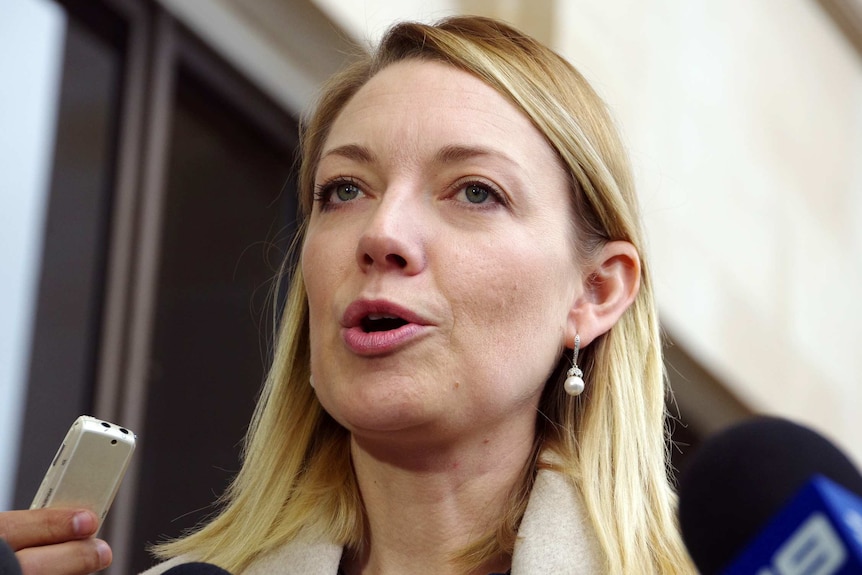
(318, 269)
(324, 257)
(515, 298)
(311, 275)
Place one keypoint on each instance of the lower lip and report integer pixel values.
(361, 342)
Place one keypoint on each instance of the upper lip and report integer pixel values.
(362, 308)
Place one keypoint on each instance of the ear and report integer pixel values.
(609, 288)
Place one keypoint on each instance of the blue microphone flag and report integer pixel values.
(819, 532)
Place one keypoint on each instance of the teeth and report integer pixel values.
(375, 317)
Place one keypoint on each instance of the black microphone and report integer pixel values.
(8, 562)
(743, 477)
(196, 569)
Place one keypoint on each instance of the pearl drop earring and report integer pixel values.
(574, 382)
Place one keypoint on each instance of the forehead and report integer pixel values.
(426, 104)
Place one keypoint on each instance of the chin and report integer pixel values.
(379, 418)
(371, 397)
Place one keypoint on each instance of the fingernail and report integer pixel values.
(84, 523)
(104, 551)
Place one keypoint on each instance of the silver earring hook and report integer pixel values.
(574, 384)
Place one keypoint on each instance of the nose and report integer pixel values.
(393, 238)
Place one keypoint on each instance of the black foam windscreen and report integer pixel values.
(740, 478)
(8, 562)
(196, 569)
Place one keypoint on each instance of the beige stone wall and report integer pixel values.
(745, 125)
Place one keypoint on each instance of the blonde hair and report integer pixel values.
(296, 479)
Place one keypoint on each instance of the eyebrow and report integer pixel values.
(447, 155)
(354, 152)
(455, 153)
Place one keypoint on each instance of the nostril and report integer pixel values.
(392, 260)
(397, 260)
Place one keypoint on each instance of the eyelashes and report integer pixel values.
(342, 188)
(477, 193)
(480, 193)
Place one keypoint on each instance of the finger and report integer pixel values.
(70, 558)
(36, 527)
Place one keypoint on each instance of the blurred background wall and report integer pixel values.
(146, 178)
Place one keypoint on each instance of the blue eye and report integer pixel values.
(476, 194)
(480, 194)
(337, 191)
(346, 192)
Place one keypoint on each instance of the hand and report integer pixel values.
(55, 541)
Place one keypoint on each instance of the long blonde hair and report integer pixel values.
(296, 479)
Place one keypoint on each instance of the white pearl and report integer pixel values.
(574, 385)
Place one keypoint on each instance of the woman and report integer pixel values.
(470, 232)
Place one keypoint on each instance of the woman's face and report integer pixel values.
(439, 259)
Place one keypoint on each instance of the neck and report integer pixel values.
(426, 503)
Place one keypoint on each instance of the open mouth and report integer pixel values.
(376, 327)
(375, 322)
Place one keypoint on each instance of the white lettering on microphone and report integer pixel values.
(813, 549)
